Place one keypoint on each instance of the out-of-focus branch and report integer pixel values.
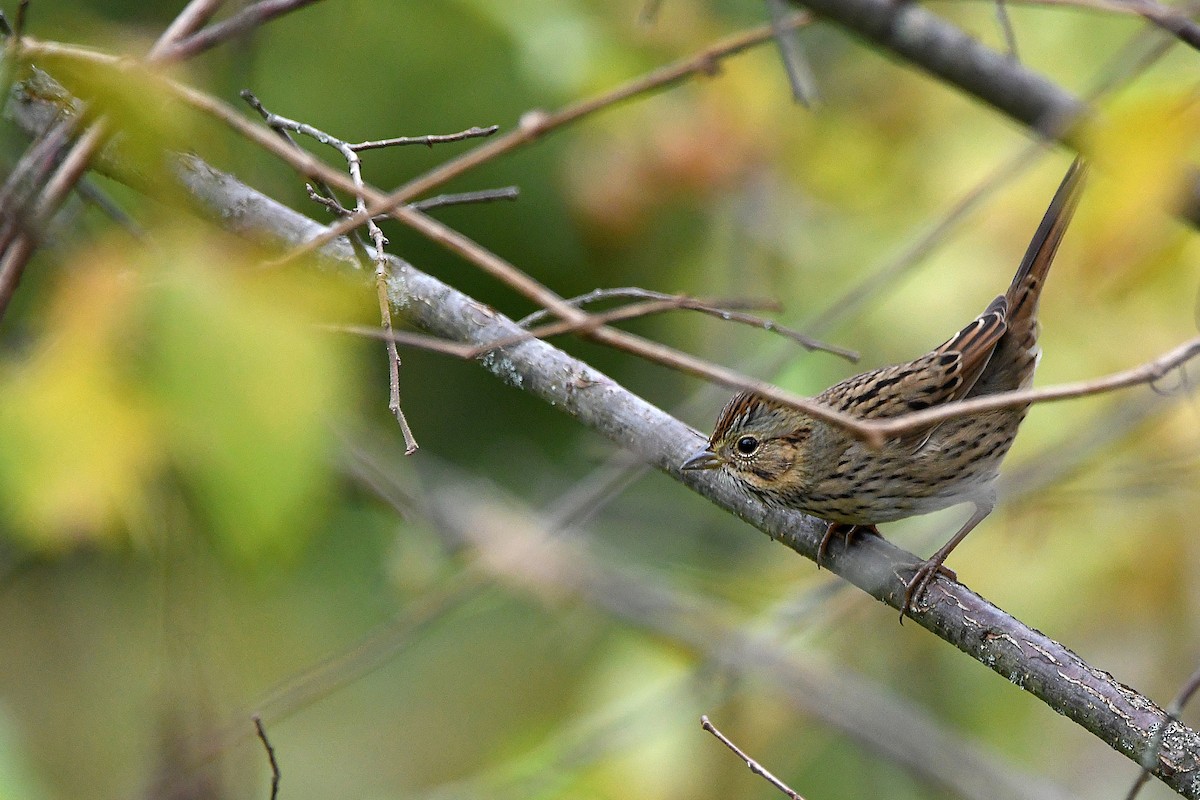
(252, 16)
(920, 37)
(510, 544)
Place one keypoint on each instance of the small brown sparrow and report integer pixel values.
(786, 458)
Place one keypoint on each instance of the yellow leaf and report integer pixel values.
(1141, 150)
(75, 441)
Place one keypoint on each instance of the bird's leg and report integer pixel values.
(926, 570)
(845, 530)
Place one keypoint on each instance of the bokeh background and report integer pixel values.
(205, 499)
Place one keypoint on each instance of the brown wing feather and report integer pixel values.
(942, 376)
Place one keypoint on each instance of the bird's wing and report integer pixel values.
(939, 377)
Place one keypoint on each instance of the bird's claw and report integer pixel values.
(847, 531)
(915, 588)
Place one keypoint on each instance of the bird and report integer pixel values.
(789, 459)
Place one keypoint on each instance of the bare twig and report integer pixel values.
(722, 309)
(464, 198)
(428, 141)
(638, 293)
(18, 29)
(249, 18)
(354, 166)
(585, 326)
(421, 340)
(193, 17)
(30, 172)
(795, 63)
(385, 313)
(19, 249)
(266, 743)
(1172, 20)
(754, 766)
(439, 201)
(1006, 28)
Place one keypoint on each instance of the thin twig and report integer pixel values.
(354, 166)
(187, 22)
(465, 198)
(385, 313)
(1173, 711)
(20, 249)
(722, 309)
(429, 140)
(584, 326)
(638, 293)
(249, 18)
(800, 75)
(439, 201)
(1172, 20)
(754, 766)
(93, 194)
(326, 199)
(409, 339)
(275, 773)
(1006, 27)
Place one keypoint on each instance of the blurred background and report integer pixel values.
(207, 512)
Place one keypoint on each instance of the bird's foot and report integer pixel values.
(848, 533)
(924, 573)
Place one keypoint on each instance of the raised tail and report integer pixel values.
(1026, 285)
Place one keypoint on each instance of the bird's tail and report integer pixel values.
(1027, 284)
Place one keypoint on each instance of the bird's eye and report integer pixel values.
(747, 445)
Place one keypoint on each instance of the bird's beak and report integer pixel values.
(705, 459)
